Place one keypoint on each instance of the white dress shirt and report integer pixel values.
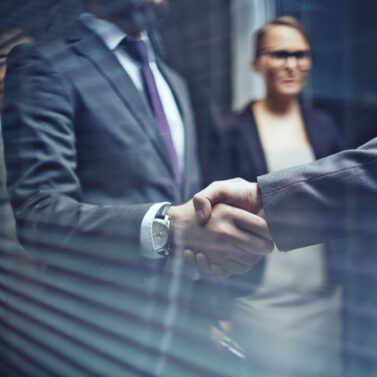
(112, 36)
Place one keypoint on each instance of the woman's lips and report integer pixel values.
(289, 81)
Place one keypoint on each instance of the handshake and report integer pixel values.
(222, 229)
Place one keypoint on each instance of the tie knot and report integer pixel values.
(136, 49)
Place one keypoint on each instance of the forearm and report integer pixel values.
(331, 198)
(92, 238)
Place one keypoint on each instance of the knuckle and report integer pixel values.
(198, 197)
(225, 211)
(224, 232)
(221, 209)
(214, 184)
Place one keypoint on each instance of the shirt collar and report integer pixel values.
(110, 33)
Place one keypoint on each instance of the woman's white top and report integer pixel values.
(291, 322)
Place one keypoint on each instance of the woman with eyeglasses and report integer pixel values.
(285, 314)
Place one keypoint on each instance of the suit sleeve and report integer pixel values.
(41, 157)
(331, 198)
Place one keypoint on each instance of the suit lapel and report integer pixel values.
(253, 151)
(89, 45)
(314, 133)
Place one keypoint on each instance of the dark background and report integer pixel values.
(197, 41)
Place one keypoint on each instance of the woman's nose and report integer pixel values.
(291, 62)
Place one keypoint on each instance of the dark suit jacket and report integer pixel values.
(85, 162)
(237, 152)
(83, 152)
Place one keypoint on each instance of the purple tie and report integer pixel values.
(138, 51)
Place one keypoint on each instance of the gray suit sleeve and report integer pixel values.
(331, 198)
(41, 157)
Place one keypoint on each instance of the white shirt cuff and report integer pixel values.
(146, 236)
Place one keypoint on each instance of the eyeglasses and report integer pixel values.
(279, 58)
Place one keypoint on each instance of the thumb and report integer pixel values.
(203, 208)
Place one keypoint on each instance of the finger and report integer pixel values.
(245, 257)
(189, 258)
(214, 192)
(202, 207)
(203, 263)
(250, 251)
(238, 246)
(205, 199)
(218, 271)
(251, 244)
(244, 247)
(236, 268)
(252, 223)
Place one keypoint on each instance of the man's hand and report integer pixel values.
(236, 192)
(232, 239)
(200, 261)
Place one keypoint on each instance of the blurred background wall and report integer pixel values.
(209, 42)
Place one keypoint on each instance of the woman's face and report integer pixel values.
(285, 61)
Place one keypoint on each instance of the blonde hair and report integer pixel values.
(280, 21)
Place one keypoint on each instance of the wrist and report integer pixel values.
(161, 232)
(258, 196)
(180, 223)
(173, 214)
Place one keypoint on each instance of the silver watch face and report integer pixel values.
(160, 234)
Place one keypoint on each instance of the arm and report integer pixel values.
(232, 238)
(46, 191)
(41, 156)
(331, 198)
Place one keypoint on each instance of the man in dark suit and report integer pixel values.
(99, 142)
(332, 198)
(89, 135)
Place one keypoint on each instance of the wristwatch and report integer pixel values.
(161, 231)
